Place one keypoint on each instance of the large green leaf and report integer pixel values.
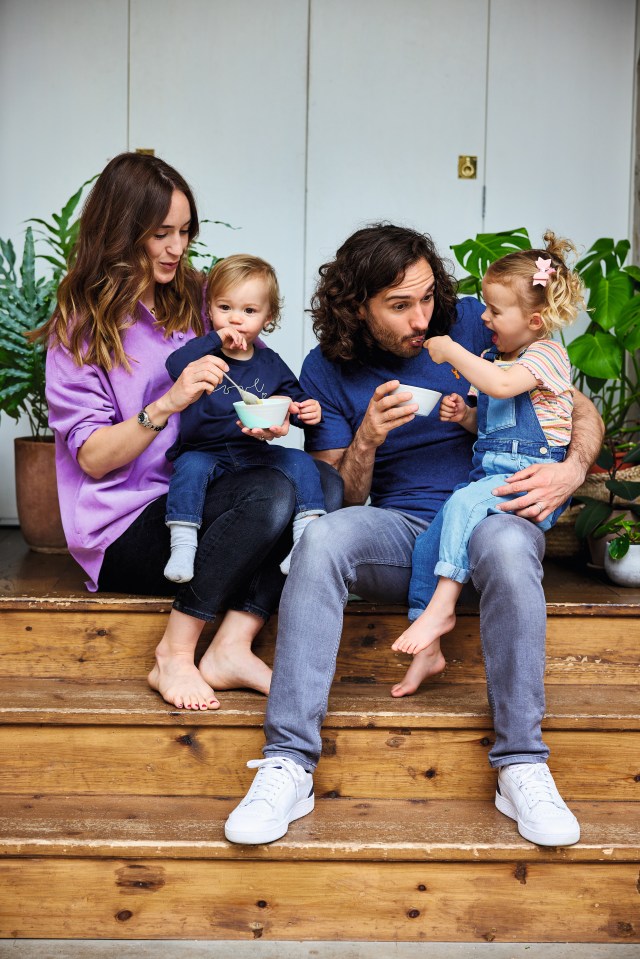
(633, 271)
(597, 354)
(600, 256)
(608, 297)
(625, 489)
(476, 255)
(592, 515)
(628, 324)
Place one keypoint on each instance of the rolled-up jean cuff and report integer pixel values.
(270, 752)
(311, 512)
(456, 573)
(207, 616)
(251, 608)
(521, 759)
(414, 613)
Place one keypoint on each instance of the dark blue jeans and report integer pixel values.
(245, 534)
(194, 470)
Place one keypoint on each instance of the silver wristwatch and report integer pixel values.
(143, 420)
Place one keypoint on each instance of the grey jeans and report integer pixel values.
(367, 551)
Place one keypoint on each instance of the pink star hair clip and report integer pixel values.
(544, 271)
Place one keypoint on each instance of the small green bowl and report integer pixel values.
(270, 412)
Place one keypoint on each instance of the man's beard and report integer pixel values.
(392, 343)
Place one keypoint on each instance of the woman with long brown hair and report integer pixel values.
(129, 300)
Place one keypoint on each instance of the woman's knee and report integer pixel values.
(264, 494)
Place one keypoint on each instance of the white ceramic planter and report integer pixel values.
(625, 571)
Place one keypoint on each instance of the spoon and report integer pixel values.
(249, 398)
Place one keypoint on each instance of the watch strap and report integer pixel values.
(143, 420)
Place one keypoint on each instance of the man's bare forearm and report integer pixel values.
(587, 432)
(356, 470)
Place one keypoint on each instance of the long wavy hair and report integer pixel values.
(374, 259)
(111, 270)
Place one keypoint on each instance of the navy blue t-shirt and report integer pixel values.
(418, 464)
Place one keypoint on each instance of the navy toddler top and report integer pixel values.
(210, 422)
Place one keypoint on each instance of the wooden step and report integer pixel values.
(150, 827)
(56, 640)
(59, 736)
(159, 868)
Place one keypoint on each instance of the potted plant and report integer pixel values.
(27, 300)
(622, 557)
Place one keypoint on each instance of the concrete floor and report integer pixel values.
(201, 949)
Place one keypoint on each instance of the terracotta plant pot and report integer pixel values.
(37, 495)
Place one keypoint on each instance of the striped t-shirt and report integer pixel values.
(552, 399)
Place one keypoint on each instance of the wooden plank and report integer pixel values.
(475, 902)
(102, 644)
(338, 830)
(439, 705)
(360, 763)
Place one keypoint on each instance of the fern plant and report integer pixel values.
(27, 300)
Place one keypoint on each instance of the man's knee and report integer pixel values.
(506, 547)
(326, 535)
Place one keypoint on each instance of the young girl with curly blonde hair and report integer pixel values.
(524, 395)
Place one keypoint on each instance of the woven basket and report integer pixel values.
(594, 486)
(561, 541)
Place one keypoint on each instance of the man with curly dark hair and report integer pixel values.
(387, 290)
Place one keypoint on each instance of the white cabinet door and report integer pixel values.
(560, 122)
(218, 90)
(63, 114)
(396, 94)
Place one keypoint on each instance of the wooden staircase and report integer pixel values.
(113, 802)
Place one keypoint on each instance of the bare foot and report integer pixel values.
(175, 675)
(229, 663)
(425, 630)
(181, 684)
(428, 662)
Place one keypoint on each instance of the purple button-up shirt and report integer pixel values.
(95, 512)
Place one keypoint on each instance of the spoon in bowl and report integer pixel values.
(249, 398)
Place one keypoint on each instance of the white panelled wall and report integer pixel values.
(299, 121)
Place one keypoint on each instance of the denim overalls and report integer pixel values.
(509, 439)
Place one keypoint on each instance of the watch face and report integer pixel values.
(141, 418)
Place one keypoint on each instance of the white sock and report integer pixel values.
(184, 543)
(300, 523)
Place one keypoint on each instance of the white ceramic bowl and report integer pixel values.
(270, 412)
(426, 399)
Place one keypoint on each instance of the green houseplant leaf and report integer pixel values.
(476, 255)
(597, 354)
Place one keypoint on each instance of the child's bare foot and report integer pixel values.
(428, 662)
(180, 684)
(229, 663)
(175, 675)
(425, 630)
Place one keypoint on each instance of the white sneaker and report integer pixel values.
(281, 792)
(527, 793)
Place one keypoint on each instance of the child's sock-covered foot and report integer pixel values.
(300, 523)
(184, 543)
